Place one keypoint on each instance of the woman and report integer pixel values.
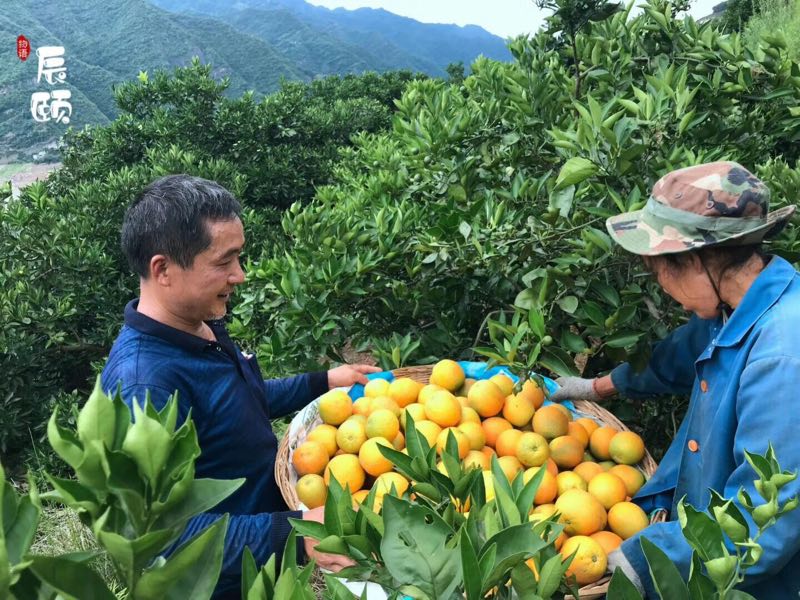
(738, 357)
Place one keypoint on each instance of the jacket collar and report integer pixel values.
(144, 324)
(770, 285)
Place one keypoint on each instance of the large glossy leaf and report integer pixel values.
(667, 579)
(418, 548)
(203, 495)
(574, 171)
(96, 419)
(700, 586)
(701, 531)
(191, 572)
(514, 544)
(470, 567)
(70, 578)
(621, 588)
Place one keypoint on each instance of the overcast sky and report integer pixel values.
(502, 17)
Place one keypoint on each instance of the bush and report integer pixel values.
(493, 194)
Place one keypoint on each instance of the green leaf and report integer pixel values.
(470, 567)
(191, 572)
(203, 495)
(729, 517)
(64, 442)
(621, 588)
(147, 443)
(523, 581)
(513, 544)
(70, 578)
(700, 586)
(574, 171)
(312, 529)
(416, 548)
(721, 570)
(97, 418)
(667, 579)
(558, 361)
(249, 571)
(550, 576)
(568, 304)
(623, 339)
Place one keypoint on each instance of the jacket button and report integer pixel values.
(693, 445)
(704, 385)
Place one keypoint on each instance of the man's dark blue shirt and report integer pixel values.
(231, 407)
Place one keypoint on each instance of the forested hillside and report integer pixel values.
(112, 41)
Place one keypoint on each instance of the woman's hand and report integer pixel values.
(331, 562)
(347, 375)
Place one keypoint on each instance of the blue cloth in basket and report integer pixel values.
(473, 370)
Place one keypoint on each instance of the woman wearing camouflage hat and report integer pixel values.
(700, 234)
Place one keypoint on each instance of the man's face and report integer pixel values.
(201, 292)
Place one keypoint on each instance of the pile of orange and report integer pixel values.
(589, 469)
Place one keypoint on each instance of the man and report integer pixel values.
(183, 237)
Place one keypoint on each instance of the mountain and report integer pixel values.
(375, 36)
(255, 43)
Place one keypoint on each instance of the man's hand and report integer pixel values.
(331, 562)
(577, 388)
(347, 375)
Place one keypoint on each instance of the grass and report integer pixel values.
(60, 531)
(773, 16)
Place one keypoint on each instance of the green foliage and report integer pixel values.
(428, 547)
(775, 21)
(723, 548)
(492, 196)
(135, 487)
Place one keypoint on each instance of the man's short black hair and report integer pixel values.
(170, 217)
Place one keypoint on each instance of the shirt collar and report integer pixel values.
(182, 339)
(765, 291)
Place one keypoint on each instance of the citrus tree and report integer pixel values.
(492, 195)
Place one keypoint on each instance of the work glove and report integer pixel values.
(574, 388)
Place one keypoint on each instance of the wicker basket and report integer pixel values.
(309, 418)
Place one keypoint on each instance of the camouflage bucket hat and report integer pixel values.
(713, 203)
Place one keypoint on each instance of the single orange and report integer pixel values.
(581, 513)
(608, 540)
(347, 471)
(590, 560)
(626, 519)
(376, 387)
(626, 448)
(518, 410)
(608, 489)
(448, 374)
(566, 451)
(474, 433)
(532, 449)
(371, 459)
(443, 409)
(311, 490)
(335, 407)
(550, 421)
(310, 457)
(404, 391)
(506, 444)
(486, 398)
(600, 440)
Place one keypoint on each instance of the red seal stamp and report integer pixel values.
(23, 48)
